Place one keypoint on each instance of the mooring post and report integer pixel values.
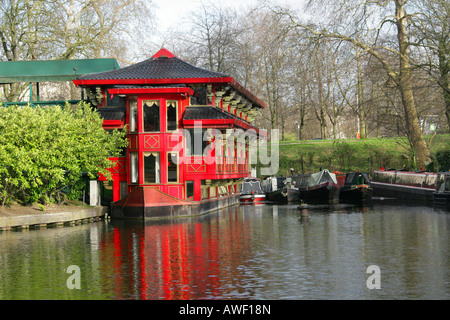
(94, 193)
(304, 209)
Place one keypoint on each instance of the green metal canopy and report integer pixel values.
(52, 70)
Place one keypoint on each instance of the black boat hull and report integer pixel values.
(327, 192)
(442, 200)
(359, 194)
(279, 196)
(293, 195)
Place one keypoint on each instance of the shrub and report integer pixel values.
(45, 150)
(441, 161)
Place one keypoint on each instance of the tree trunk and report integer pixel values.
(361, 111)
(414, 133)
(444, 70)
(323, 126)
(447, 108)
(363, 126)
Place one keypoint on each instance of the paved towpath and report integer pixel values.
(26, 217)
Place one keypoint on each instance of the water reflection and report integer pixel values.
(180, 259)
(248, 252)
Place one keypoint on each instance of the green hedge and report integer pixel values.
(44, 150)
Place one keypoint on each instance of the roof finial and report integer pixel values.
(163, 53)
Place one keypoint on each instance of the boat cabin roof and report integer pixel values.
(353, 177)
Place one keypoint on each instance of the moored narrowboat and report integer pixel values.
(251, 192)
(280, 189)
(320, 187)
(355, 187)
(274, 188)
(402, 184)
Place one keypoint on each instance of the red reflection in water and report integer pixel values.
(174, 260)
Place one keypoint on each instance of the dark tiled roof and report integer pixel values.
(198, 113)
(225, 120)
(112, 113)
(156, 68)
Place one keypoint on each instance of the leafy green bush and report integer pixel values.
(441, 161)
(45, 150)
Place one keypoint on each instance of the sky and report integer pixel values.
(168, 11)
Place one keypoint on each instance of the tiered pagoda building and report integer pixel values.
(175, 115)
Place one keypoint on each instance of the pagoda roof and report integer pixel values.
(206, 112)
(163, 65)
(163, 68)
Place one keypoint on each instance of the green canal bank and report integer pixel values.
(364, 155)
(20, 217)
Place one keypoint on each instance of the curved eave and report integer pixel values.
(219, 80)
(247, 93)
(224, 124)
(105, 82)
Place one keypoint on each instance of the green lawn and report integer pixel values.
(352, 154)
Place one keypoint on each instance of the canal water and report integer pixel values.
(247, 252)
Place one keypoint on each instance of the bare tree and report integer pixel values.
(395, 13)
(19, 37)
(433, 36)
(68, 29)
(213, 32)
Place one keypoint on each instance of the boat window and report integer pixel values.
(134, 167)
(123, 189)
(251, 186)
(359, 179)
(196, 142)
(350, 178)
(280, 182)
(189, 189)
(366, 178)
(133, 116)
(152, 172)
(172, 112)
(172, 167)
(151, 116)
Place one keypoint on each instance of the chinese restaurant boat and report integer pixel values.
(174, 114)
(441, 196)
(320, 187)
(251, 192)
(402, 184)
(355, 187)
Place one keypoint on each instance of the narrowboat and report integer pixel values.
(251, 192)
(403, 184)
(320, 187)
(274, 188)
(441, 196)
(355, 187)
(280, 189)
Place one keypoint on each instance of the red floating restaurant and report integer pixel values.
(189, 131)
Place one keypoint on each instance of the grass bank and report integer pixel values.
(352, 154)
